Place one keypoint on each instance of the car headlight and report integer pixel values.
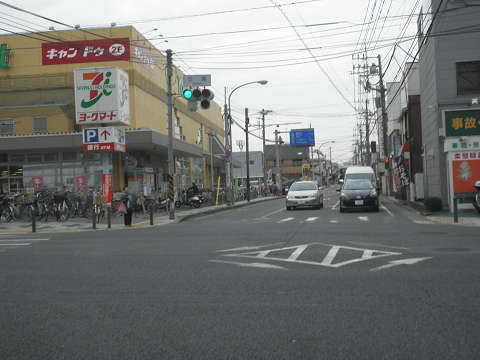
(286, 197)
(373, 193)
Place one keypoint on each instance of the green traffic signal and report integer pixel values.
(187, 94)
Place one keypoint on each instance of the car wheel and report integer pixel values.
(321, 205)
(289, 208)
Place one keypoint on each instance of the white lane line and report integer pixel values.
(273, 212)
(388, 211)
(362, 218)
(336, 204)
(249, 247)
(24, 240)
(298, 251)
(411, 261)
(377, 244)
(333, 221)
(256, 265)
(311, 218)
(286, 219)
(15, 244)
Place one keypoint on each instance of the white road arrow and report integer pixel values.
(255, 265)
(393, 263)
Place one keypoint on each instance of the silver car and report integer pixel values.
(304, 194)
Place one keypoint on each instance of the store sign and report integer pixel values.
(37, 183)
(466, 171)
(462, 144)
(81, 183)
(107, 187)
(4, 56)
(462, 122)
(84, 51)
(143, 56)
(104, 139)
(102, 96)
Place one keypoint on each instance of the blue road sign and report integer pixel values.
(90, 136)
(302, 137)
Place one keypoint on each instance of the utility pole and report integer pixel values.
(331, 167)
(384, 120)
(247, 158)
(210, 138)
(367, 133)
(264, 112)
(228, 168)
(278, 175)
(170, 135)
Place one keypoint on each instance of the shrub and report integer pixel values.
(433, 204)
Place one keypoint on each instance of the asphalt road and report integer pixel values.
(257, 282)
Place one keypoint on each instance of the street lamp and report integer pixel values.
(228, 135)
(320, 146)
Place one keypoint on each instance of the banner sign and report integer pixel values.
(302, 137)
(84, 51)
(462, 122)
(107, 187)
(81, 183)
(466, 170)
(102, 96)
(37, 183)
(143, 56)
(104, 139)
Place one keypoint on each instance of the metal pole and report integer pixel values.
(263, 140)
(278, 173)
(210, 137)
(331, 168)
(32, 214)
(384, 120)
(367, 134)
(247, 159)
(227, 141)
(170, 129)
(151, 214)
(109, 216)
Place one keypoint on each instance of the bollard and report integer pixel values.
(109, 217)
(455, 210)
(94, 219)
(34, 225)
(151, 214)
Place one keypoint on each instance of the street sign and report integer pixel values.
(228, 153)
(104, 139)
(197, 80)
(107, 187)
(302, 137)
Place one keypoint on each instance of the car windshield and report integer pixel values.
(360, 176)
(358, 185)
(300, 186)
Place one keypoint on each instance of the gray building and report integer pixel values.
(449, 64)
(291, 159)
(255, 167)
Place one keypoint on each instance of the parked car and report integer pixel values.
(304, 194)
(359, 194)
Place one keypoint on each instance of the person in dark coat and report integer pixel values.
(127, 200)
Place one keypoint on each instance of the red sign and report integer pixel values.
(81, 183)
(83, 51)
(97, 116)
(466, 172)
(104, 147)
(37, 183)
(107, 187)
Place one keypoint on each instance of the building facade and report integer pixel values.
(41, 141)
(292, 160)
(449, 65)
(255, 160)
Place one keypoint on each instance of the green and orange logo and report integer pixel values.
(99, 87)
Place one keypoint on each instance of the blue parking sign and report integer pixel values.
(90, 136)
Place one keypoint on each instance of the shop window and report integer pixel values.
(468, 78)
(69, 156)
(6, 127)
(40, 125)
(50, 157)
(17, 158)
(251, 162)
(34, 158)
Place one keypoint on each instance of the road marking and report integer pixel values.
(423, 222)
(377, 244)
(362, 218)
(256, 265)
(388, 211)
(336, 204)
(274, 212)
(24, 240)
(249, 247)
(311, 218)
(15, 244)
(333, 221)
(390, 264)
(286, 219)
(327, 261)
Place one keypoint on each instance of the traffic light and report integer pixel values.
(387, 162)
(207, 96)
(196, 95)
(187, 94)
(373, 146)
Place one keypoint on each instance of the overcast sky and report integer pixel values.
(300, 92)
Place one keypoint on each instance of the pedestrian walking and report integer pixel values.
(127, 200)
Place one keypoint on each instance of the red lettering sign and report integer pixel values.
(107, 187)
(83, 51)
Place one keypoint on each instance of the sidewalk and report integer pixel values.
(138, 221)
(467, 215)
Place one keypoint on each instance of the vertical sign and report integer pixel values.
(107, 187)
(37, 183)
(81, 183)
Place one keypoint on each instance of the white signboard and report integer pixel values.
(102, 96)
(197, 80)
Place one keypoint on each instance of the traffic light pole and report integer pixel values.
(227, 141)
(278, 175)
(247, 157)
(170, 129)
(367, 134)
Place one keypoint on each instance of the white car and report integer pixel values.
(304, 194)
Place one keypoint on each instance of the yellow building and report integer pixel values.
(41, 143)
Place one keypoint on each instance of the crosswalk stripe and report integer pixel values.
(16, 244)
(287, 219)
(363, 218)
(311, 218)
